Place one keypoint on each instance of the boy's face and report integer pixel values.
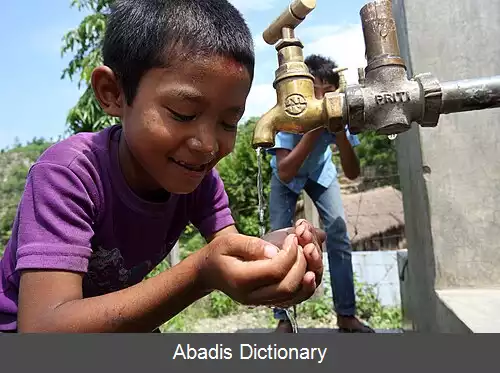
(322, 87)
(183, 121)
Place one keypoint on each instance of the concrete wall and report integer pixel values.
(377, 268)
(450, 175)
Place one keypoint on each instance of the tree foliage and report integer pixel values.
(378, 160)
(377, 151)
(239, 172)
(84, 44)
(14, 166)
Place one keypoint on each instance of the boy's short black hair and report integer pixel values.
(322, 68)
(143, 34)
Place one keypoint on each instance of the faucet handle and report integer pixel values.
(342, 81)
(291, 17)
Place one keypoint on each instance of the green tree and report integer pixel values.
(14, 166)
(377, 151)
(378, 160)
(239, 173)
(84, 44)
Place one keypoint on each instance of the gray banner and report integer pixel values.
(247, 353)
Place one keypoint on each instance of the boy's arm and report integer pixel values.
(348, 157)
(290, 161)
(51, 301)
(227, 230)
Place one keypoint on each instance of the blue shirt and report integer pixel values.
(318, 165)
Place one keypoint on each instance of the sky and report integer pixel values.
(34, 100)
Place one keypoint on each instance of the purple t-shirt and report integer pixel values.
(78, 214)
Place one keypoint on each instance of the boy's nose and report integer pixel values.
(204, 142)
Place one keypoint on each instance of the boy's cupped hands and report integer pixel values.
(281, 269)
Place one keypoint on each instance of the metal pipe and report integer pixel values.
(470, 94)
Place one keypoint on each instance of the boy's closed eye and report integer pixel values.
(181, 117)
(187, 118)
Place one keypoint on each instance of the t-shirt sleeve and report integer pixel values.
(55, 220)
(283, 140)
(209, 210)
(353, 139)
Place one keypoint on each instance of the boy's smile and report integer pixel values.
(182, 121)
(197, 168)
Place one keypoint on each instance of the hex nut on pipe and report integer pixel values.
(432, 99)
(336, 111)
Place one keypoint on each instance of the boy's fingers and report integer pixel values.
(286, 289)
(306, 291)
(307, 233)
(249, 248)
(314, 261)
(255, 274)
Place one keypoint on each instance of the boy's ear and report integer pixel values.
(107, 91)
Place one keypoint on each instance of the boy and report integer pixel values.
(304, 162)
(101, 210)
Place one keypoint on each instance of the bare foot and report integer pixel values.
(284, 326)
(351, 324)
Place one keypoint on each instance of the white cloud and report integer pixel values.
(262, 97)
(259, 43)
(345, 45)
(255, 5)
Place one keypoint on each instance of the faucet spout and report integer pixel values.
(265, 129)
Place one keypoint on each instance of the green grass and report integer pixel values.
(316, 312)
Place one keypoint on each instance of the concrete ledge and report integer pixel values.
(477, 309)
(317, 331)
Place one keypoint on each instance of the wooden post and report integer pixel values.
(311, 214)
(174, 255)
(310, 211)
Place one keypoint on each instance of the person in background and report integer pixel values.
(304, 162)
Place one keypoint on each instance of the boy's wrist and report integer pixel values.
(196, 268)
(202, 260)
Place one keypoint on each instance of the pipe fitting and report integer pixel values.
(432, 96)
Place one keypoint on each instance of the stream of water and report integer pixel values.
(260, 193)
(262, 224)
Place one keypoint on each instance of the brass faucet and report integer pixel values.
(297, 110)
(384, 100)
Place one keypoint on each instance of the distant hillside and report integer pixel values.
(14, 166)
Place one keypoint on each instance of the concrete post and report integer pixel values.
(450, 175)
